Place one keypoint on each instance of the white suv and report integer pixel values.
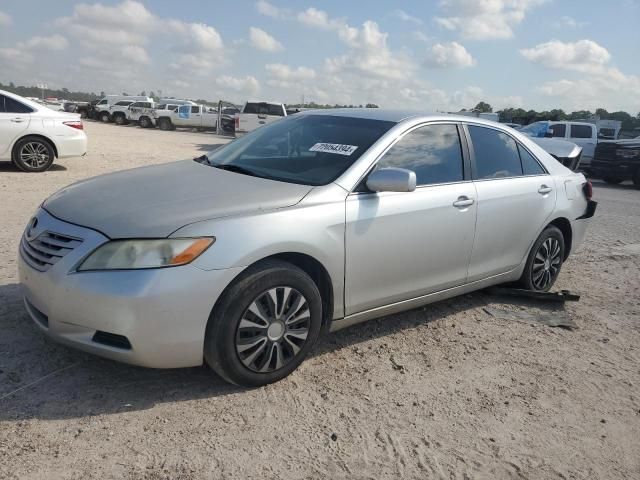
(32, 135)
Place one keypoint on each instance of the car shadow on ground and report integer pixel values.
(207, 147)
(628, 185)
(41, 379)
(10, 167)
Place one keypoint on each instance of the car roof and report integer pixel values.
(397, 116)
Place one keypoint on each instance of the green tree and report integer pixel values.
(483, 107)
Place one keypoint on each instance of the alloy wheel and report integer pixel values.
(34, 154)
(546, 264)
(273, 329)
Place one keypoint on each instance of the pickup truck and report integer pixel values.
(583, 134)
(617, 161)
(256, 114)
(145, 115)
(194, 116)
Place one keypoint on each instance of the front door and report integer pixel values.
(403, 245)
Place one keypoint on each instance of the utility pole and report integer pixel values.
(42, 87)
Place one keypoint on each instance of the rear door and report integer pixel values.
(516, 197)
(404, 245)
(14, 120)
(584, 136)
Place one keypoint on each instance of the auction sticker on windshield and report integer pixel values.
(334, 148)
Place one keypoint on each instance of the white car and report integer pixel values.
(32, 136)
(256, 114)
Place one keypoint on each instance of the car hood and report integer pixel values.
(153, 202)
(558, 148)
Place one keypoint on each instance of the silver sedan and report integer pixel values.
(244, 257)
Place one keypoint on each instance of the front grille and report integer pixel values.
(46, 249)
(111, 340)
(605, 152)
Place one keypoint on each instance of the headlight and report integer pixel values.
(136, 254)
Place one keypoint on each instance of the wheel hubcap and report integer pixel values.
(34, 154)
(273, 329)
(546, 264)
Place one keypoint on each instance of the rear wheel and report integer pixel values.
(544, 261)
(120, 119)
(144, 122)
(105, 117)
(33, 154)
(612, 180)
(264, 325)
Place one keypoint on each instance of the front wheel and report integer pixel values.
(544, 261)
(144, 122)
(105, 117)
(165, 124)
(120, 119)
(264, 325)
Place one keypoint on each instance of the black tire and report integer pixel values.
(144, 122)
(225, 336)
(120, 119)
(612, 180)
(636, 178)
(165, 124)
(33, 154)
(535, 266)
(105, 117)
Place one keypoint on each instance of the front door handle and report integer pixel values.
(543, 190)
(17, 120)
(463, 201)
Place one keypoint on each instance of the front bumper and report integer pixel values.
(162, 313)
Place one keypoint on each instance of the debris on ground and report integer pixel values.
(551, 318)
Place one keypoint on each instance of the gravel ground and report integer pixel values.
(446, 391)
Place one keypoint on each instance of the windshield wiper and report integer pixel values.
(234, 168)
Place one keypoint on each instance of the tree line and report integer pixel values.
(525, 117)
(510, 115)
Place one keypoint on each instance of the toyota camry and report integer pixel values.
(244, 257)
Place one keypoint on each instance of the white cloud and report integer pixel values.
(602, 84)
(246, 85)
(261, 40)
(485, 19)
(285, 77)
(570, 22)
(5, 19)
(404, 16)
(421, 37)
(452, 54)
(582, 56)
(53, 42)
(270, 10)
(318, 18)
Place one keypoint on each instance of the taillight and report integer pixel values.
(587, 188)
(77, 124)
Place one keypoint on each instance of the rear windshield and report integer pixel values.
(304, 149)
(264, 109)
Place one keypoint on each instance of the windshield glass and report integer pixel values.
(305, 149)
(536, 129)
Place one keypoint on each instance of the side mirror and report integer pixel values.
(392, 180)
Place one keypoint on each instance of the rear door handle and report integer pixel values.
(17, 120)
(463, 201)
(543, 190)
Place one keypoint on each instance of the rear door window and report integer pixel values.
(9, 105)
(496, 154)
(558, 130)
(581, 131)
(530, 166)
(433, 152)
(195, 109)
(262, 108)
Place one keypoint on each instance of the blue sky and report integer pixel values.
(432, 55)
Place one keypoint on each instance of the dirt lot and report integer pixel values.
(443, 392)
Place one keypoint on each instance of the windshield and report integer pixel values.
(305, 149)
(536, 129)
